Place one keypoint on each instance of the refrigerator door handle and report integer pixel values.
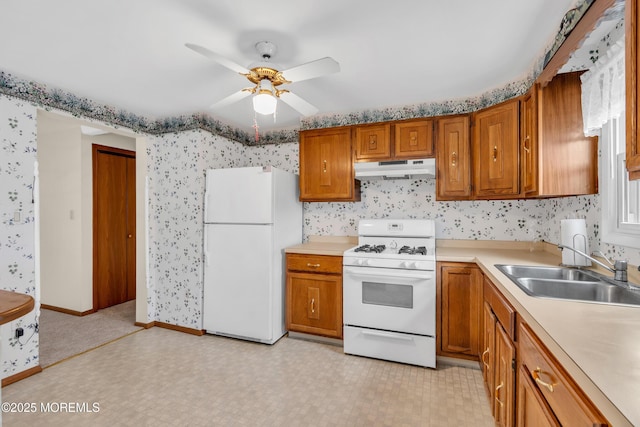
(206, 247)
(206, 206)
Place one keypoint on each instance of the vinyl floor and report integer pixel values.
(159, 377)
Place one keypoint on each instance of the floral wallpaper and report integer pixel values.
(17, 268)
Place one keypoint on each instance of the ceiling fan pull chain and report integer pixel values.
(256, 127)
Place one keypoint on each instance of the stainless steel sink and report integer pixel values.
(570, 284)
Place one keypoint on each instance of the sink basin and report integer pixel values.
(547, 273)
(570, 284)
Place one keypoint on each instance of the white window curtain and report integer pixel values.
(603, 90)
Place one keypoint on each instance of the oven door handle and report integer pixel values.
(388, 272)
(387, 335)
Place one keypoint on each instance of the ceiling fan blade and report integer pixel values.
(311, 70)
(298, 104)
(234, 97)
(218, 58)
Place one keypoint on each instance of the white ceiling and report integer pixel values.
(130, 54)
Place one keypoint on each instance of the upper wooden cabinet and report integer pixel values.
(529, 142)
(413, 139)
(326, 166)
(496, 151)
(632, 65)
(401, 140)
(453, 161)
(558, 159)
(373, 142)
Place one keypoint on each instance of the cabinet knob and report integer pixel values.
(454, 158)
(324, 166)
(495, 153)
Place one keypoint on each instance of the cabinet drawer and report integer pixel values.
(503, 310)
(314, 263)
(566, 399)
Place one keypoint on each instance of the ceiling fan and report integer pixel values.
(267, 78)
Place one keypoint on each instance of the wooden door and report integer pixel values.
(453, 159)
(504, 393)
(495, 151)
(461, 299)
(114, 226)
(488, 354)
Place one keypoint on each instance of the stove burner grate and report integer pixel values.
(370, 248)
(420, 250)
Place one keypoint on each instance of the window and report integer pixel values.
(620, 198)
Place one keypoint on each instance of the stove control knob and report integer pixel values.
(365, 262)
(408, 264)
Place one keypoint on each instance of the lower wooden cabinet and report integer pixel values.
(314, 294)
(498, 359)
(459, 301)
(533, 409)
(551, 387)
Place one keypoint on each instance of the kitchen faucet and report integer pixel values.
(619, 269)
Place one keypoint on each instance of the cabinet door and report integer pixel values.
(373, 142)
(414, 139)
(503, 399)
(632, 64)
(488, 354)
(568, 160)
(453, 159)
(495, 151)
(461, 309)
(314, 304)
(529, 142)
(326, 166)
(532, 408)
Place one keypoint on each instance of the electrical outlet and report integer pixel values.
(19, 332)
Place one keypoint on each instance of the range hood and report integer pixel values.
(397, 169)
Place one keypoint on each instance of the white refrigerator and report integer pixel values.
(251, 215)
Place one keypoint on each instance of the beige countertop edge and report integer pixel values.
(598, 345)
(324, 245)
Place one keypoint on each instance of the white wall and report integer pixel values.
(59, 156)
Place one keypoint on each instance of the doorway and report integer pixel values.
(114, 226)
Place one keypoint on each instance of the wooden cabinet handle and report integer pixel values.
(486, 352)
(497, 393)
(324, 166)
(454, 158)
(313, 265)
(536, 376)
(313, 302)
(495, 153)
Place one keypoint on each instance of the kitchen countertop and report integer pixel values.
(324, 245)
(598, 344)
(14, 305)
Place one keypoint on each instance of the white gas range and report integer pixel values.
(389, 292)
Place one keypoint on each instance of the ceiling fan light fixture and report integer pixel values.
(264, 102)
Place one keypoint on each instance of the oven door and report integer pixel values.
(390, 299)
